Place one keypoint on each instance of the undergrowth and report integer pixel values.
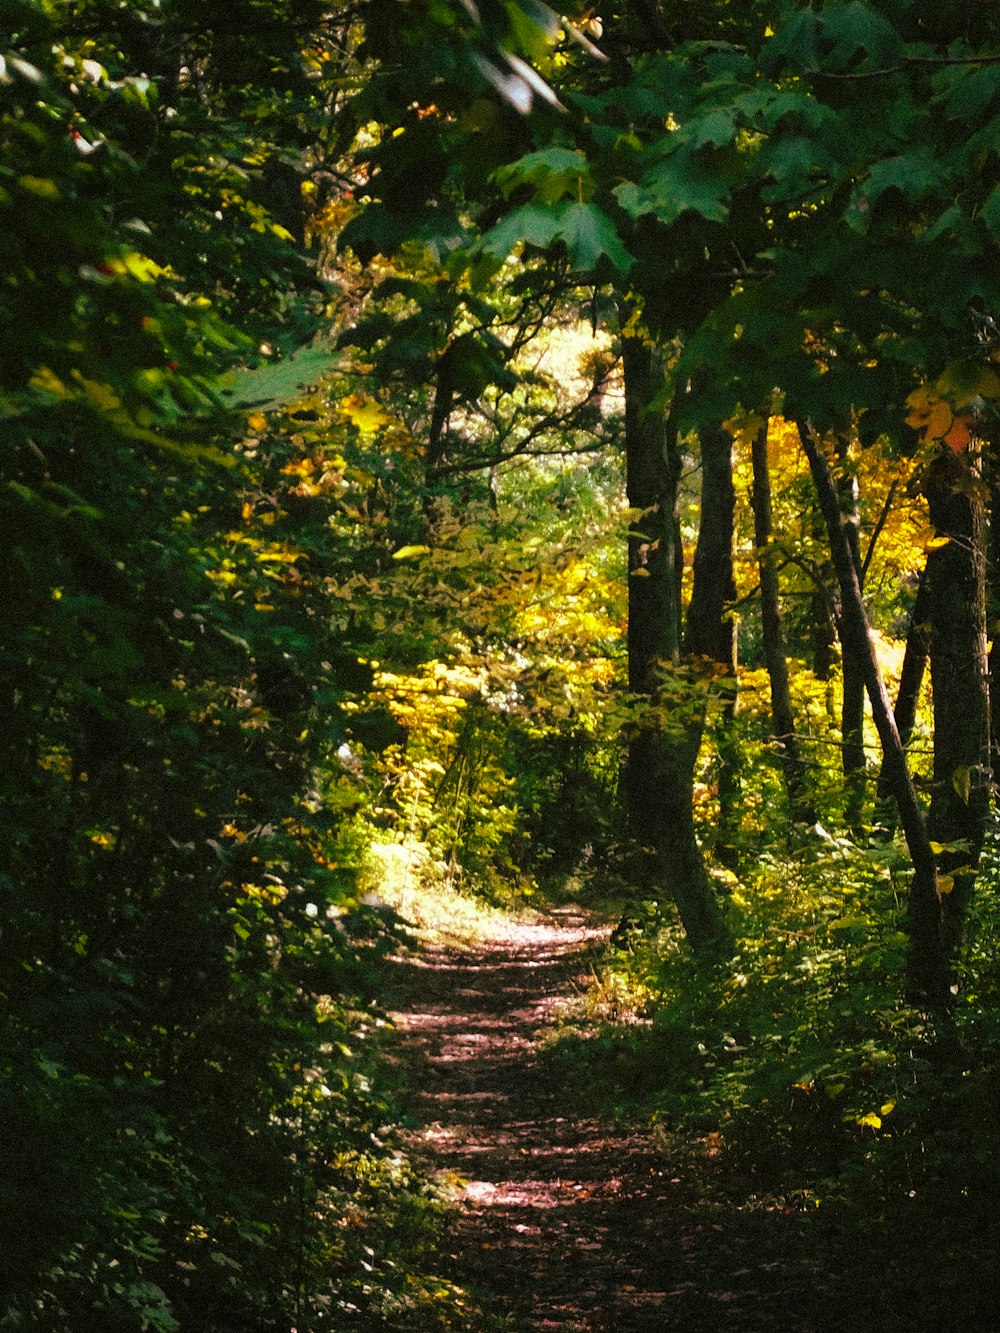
(811, 1083)
(409, 883)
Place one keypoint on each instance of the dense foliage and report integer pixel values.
(390, 398)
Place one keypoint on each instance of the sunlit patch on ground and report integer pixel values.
(557, 1212)
(563, 1221)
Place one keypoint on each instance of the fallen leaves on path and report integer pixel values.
(564, 1222)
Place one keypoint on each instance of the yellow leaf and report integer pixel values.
(918, 402)
(48, 381)
(945, 883)
(100, 395)
(939, 421)
(408, 552)
(257, 421)
(279, 557)
(142, 267)
(886, 1108)
(40, 186)
(640, 572)
(364, 413)
(871, 1120)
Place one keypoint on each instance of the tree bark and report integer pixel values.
(824, 634)
(911, 676)
(652, 477)
(775, 655)
(927, 964)
(663, 750)
(956, 575)
(852, 715)
(993, 624)
(711, 630)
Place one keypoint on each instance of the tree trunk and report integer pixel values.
(956, 575)
(775, 655)
(927, 965)
(711, 630)
(824, 634)
(852, 715)
(652, 476)
(659, 781)
(825, 603)
(663, 751)
(911, 676)
(993, 463)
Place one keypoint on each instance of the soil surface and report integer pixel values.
(566, 1222)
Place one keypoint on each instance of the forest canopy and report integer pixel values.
(464, 453)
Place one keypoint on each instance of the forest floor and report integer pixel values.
(566, 1221)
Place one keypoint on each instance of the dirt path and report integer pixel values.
(565, 1223)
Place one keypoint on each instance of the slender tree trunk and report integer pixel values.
(663, 752)
(993, 463)
(911, 676)
(654, 555)
(728, 847)
(824, 635)
(852, 725)
(928, 965)
(825, 613)
(775, 655)
(711, 630)
(956, 576)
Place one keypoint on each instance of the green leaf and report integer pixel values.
(852, 29)
(716, 127)
(553, 173)
(634, 200)
(281, 381)
(833, 40)
(990, 212)
(961, 781)
(951, 220)
(912, 174)
(684, 182)
(766, 108)
(795, 43)
(974, 93)
(589, 233)
(794, 164)
(848, 923)
(376, 230)
(532, 224)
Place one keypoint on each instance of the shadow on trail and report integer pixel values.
(570, 1223)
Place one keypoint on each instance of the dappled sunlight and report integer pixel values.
(574, 1224)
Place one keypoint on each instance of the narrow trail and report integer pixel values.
(565, 1222)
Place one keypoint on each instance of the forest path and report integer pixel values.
(565, 1222)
